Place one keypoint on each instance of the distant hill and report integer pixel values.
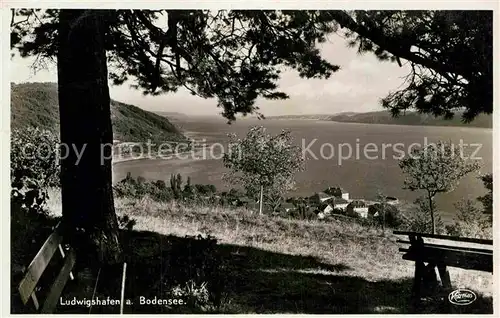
(36, 105)
(384, 117)
(171, 115)
(304, 117)
(411, 118)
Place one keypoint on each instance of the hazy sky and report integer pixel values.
(359, 84)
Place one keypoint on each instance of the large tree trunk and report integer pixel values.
(84, 106)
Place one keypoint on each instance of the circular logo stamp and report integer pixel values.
(462, 297)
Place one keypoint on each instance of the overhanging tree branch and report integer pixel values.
(395, 46)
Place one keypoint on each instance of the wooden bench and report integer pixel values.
(30, 283)
(440, 256)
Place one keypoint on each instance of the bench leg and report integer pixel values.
(445, 276)
(417, 281)
(61, 250)
(430, 278)
(35, 301)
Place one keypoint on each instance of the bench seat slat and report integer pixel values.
(403, 242)
(58, 285)
(460, 248)
(38, 265)
(452, 257)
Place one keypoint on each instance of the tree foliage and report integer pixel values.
(34, 155)
(235, 56)
(436, 168)
(262, 163)
(34, 167)
(487, 199)
(385, 214)
(470, 221)
(449, 54)
(423, 219)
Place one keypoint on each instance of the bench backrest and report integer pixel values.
(447, 252)
(37, 267)
(445, 237)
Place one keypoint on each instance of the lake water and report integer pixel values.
(363, 176)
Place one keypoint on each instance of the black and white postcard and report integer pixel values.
(268, 159)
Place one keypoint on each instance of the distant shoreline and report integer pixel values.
(410, 118)
(117, 160)
(367, 123)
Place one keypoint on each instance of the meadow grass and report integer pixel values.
(290, 265)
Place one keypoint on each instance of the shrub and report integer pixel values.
(126, 187)
(419, 219)
(138, 188)
(189, 194)
(161, 195)
(338, 211)
(302, 210)
(205, 189)
(195, 295)
(273, 202)
(350, 213)
(470, 221)
(34, 167)
(141, 180)
(234, 197)
(314, 200)
(392, 215)
(176, 185)
(160, 184)
(487, 199)
(189, 191)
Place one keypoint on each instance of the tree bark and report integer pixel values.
(383, 217)
(261, 199)
(431, 209)
(85, 124)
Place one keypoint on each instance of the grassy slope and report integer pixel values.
(36, 104)
(276, 265)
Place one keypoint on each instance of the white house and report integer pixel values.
(328, 209)
(324, 197)
(359, 207)
(338, 192)
(345, 195)
(340, 203)
(363, 212)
